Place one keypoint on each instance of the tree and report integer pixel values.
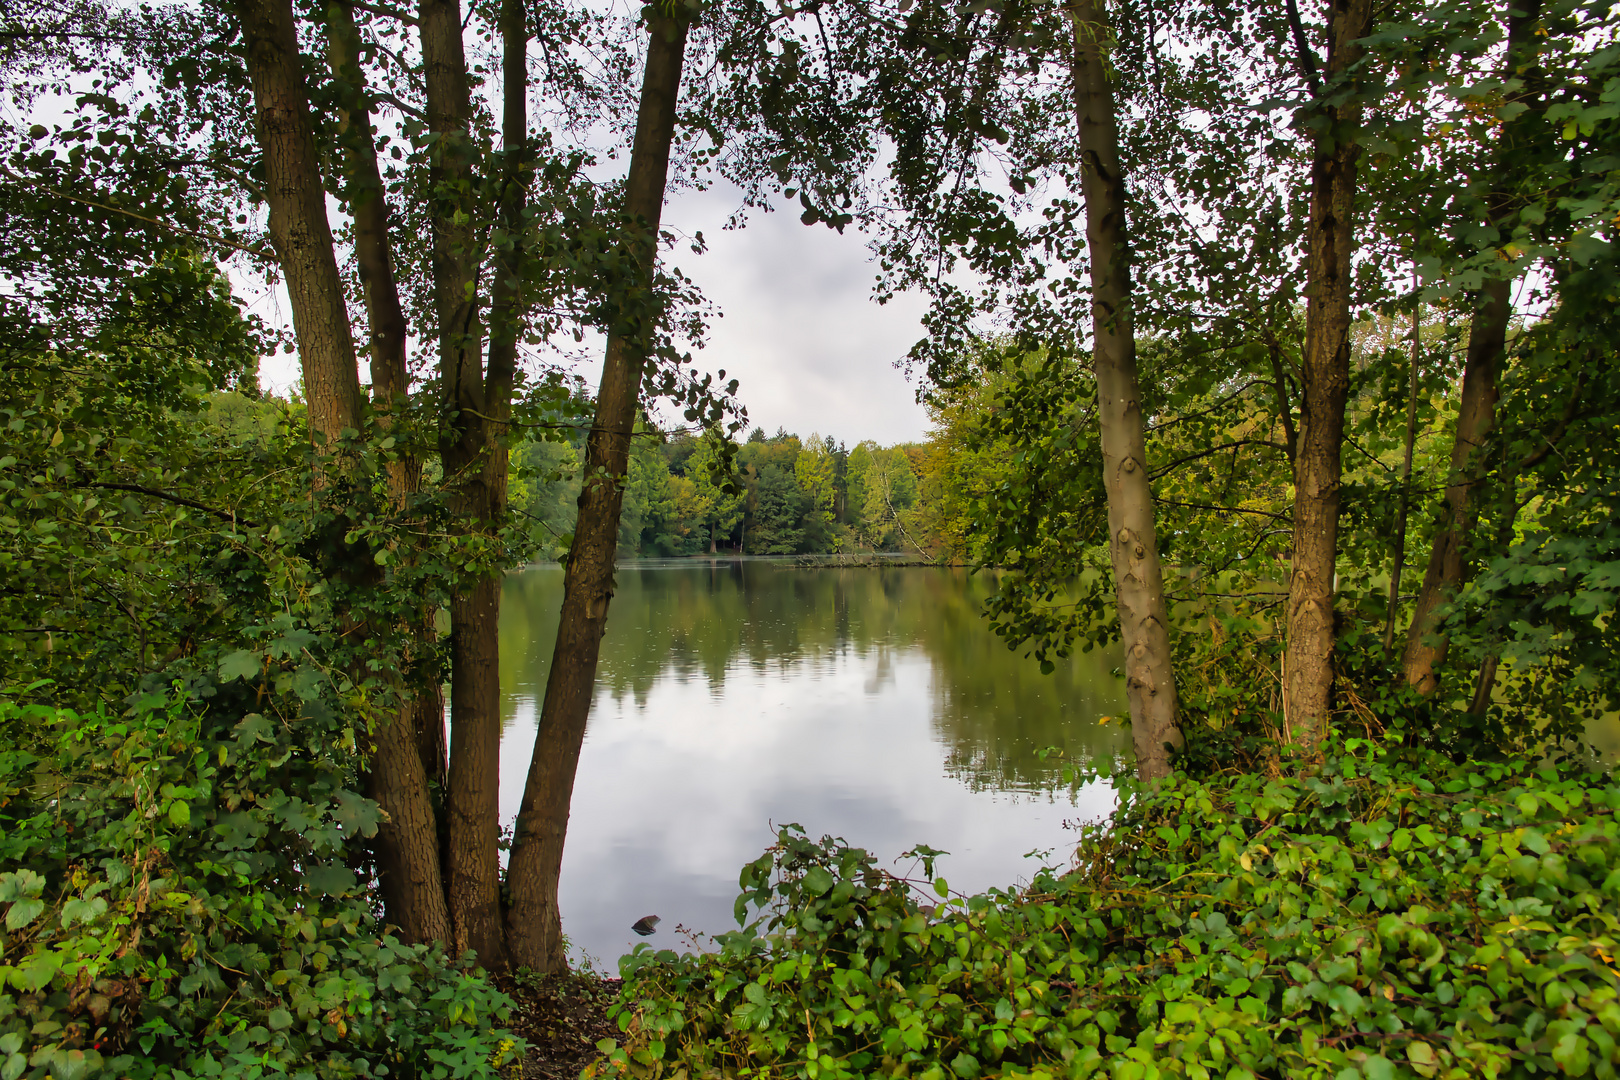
(409, 845)
(1325, 371)
(777, 515)
(1487, 345)
(410, 757)
(816, 471)
(534, 924)
(1133, 544)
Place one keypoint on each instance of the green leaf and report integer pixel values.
(279, 1019)
(1421, 1055)
(356, 814)
(241, 664)
(332, 879)
(80, 910)
(179, 813)
(20, 884)
(818, 880)
(1378, 1067)
(23, 912)
(1586, 247)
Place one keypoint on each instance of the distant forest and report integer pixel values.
(781, 495)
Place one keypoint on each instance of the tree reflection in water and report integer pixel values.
(873, 704)
(700, 619)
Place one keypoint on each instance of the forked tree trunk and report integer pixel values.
(1132, 541)
(473, 800)
(1476, 412)
(1308, 658)
(535, 923)
(298, 227)
(409, 754)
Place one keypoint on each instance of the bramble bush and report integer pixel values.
(186, 710)
(177, 904)
(1396, 914)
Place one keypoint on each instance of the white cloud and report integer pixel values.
(814, 351)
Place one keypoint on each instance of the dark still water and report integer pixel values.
(872, 704)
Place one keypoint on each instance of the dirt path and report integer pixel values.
(561, 1017)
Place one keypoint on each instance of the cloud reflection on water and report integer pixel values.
(869, 704)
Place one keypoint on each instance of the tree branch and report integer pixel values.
(181, 500)
(1303, 54)
(1213, 450)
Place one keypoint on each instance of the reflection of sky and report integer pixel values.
(675, 794)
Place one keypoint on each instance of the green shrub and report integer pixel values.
(1396, 914)
(177, 903)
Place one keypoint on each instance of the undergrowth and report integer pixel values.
(1398, 913)
(177, 904)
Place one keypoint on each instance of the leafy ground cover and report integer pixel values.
(1396, 914)
(177, 903)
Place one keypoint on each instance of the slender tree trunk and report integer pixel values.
(1476, 416)
(507, 309)
(368, 204)
(1133, 544)
(473, 799)
(405, 760)
(535, 923)
(1476, 413)
(1308, 662)
(298, 227)
(1406, 477)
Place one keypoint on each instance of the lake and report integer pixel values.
(734, 694)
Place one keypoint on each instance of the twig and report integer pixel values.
(224, 515)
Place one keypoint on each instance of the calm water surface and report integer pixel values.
(872, 704)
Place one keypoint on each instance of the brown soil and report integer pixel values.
(561, 1017)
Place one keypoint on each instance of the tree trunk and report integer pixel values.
(1476, 413)
(473, 799)
(1308, 659)
(1132, 542)
(535, 924)
(1399, 554)
(298, 227)
(408, 842)
(507, 309)
(368, 204)
(1476, 416)
(402, 767)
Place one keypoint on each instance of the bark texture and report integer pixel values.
(507, 308)
(1133, 543)
(408, 842)
(535, 924)
(1476, 417)
(465, 441)
(1308, 658)
(299, 231)
(368, 203)
(1476, 412)
(402, 768)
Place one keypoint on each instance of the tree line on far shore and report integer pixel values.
(777, 495)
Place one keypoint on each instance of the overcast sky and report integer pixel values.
(800, 329)
(813, 351)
